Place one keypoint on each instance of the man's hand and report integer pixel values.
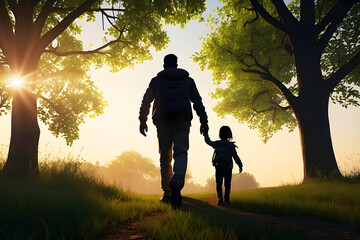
(204, 128)
(143, 128)
(240, 169)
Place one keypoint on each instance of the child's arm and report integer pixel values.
(237, 160)
(208, 141)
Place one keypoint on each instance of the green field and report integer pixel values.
(63, 203)
(335, 200)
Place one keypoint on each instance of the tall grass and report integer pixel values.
(186, 225)
(202, 221)
(63, 203)
(335, 199)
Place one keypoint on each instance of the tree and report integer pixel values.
(134, 172)
(39, 42)
(283, 64)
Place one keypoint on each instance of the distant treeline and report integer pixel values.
(139, 174)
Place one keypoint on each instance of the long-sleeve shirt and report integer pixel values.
(232, 146)
(155, 93)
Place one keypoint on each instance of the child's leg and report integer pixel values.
(219, 181)
(227, 176)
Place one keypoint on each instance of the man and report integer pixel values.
(172, 90)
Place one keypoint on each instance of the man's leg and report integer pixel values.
(181, 147)
(228, 175)
(165, 150)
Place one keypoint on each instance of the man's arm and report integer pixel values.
(145, 107)
(198, 105)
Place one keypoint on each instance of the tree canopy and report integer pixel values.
(244, 44)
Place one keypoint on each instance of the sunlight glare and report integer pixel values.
(16, 81)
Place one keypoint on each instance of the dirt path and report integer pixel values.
(313, 228)
(130, 231)
(228, 217)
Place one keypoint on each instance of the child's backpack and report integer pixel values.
(222, 157)
(176, 101)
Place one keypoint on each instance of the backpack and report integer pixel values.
(222, 157)
(176, 101)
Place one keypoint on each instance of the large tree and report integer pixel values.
(283, 63)
(39, 41)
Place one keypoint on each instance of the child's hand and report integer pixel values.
(240, 169)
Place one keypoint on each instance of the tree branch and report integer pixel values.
(333, 13)
(55, 106)
(6, 29)
(335, 22)
(279, 85)
(278, 105)
(307, 13)
(284, 13)
(257, 95)
(68, 9)
(252, 20)
(97, 50)
(335, 78)
(264, 110)
(59, 28)
(41, 19)
(270, 19)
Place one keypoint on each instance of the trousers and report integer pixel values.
(220, 175)
(173, 137)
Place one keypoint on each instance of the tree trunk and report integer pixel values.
(312, 109)
(25, 132)
(317, 149)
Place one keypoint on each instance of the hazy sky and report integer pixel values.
(117, 130)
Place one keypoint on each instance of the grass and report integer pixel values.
(186, 225)
(198, 220)
(335, 200)
(64, 204)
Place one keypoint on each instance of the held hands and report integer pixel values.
(204, 128)
(143, 128)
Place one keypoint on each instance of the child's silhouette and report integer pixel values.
(222, 161)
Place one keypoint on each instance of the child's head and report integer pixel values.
(225, 133)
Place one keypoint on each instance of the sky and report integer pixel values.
(275, 163)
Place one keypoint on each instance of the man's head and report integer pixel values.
(170, 60)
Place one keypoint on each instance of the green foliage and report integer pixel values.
(341, 48)
(240, 40)
(62, 81)
(338, 200)
(64, 204)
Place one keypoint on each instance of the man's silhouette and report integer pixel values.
(172, 90)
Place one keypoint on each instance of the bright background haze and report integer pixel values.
(117, 130)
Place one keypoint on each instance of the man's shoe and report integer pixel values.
(165, 199)
(220, 201)
(175, 198)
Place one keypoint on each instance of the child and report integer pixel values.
(222, 161)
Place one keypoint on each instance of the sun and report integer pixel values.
(17, 81)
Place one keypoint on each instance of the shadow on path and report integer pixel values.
(263, 226)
